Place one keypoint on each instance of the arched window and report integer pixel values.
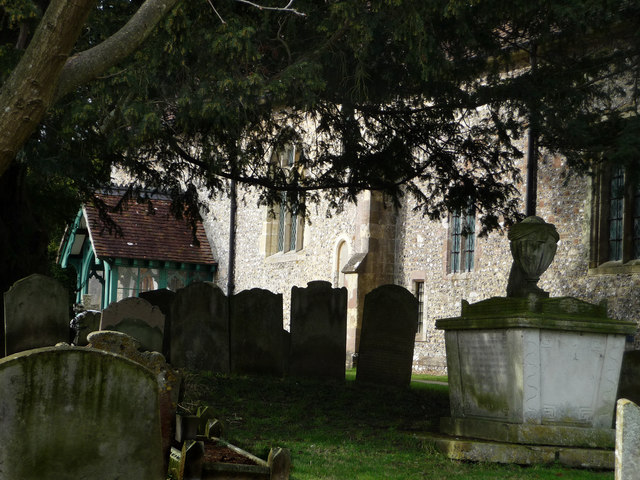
(342, 256)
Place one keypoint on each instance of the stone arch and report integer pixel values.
(341, 255)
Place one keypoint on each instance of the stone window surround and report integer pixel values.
(283, 257)
(338, 261)
(599, 263)
(273, 237)
(449, 268)
(415, 278)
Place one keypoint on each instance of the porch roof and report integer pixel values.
(147, 235)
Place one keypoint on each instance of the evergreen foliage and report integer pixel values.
(429, 99)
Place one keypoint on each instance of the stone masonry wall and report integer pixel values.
(420, 254)
(281, 271)
(566, 202)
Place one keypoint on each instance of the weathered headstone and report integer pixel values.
(169, 380)
(200, 328)
(627, 440)
(257, 336)
(138, 318)
(78, 413)
(389, 324)
(36, 314)
(163, 299)
(83, 324)
(279, 462)
(318, 331)
(629, 384)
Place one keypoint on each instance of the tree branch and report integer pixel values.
(87, 65)
(286, 8)
(29, 90)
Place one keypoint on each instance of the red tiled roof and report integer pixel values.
(158, 236)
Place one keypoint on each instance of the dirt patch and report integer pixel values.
(222, 454)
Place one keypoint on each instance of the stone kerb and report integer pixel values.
(389, 324)
(627, 453)
(163, 299)
(318, 331)
(257, 336)
(200, 328)
(138, 318)
(78, 413)
(36, 314)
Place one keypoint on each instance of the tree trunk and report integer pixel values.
(46, 73)
(29, 90)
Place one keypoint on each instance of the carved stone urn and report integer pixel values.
(533, 245)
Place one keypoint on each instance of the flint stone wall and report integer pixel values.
(76, 413)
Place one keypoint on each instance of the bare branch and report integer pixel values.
(214, 9)
(286, 8)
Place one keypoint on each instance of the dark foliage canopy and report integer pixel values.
(424, 98)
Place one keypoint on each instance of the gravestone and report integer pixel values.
(629, 384)
(36, 314)
(200, 328)
(163, 299)
(168, 379)
(627, 440)
(78, 413)
(138, 318)
(389, 324)
(83, 324)
(257, 336)
(318, 331)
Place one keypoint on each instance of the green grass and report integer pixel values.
(346, 431)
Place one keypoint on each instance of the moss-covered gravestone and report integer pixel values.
(534, 378)
(36, 314)
(78, 413)
(138, 318)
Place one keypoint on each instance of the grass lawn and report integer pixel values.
(346, 431)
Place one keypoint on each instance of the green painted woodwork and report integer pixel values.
(85, 262)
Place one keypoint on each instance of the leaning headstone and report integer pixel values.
(627, 440)
(78, 413)
(256, 333)
(83, 324)
(163, 299)
(36, 314)
(169, 380)
(138, 318)
(200, 328)
(318, 331)
(389, 324)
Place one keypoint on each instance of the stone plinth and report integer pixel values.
(534, 371)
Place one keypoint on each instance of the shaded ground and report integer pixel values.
(343, 431)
